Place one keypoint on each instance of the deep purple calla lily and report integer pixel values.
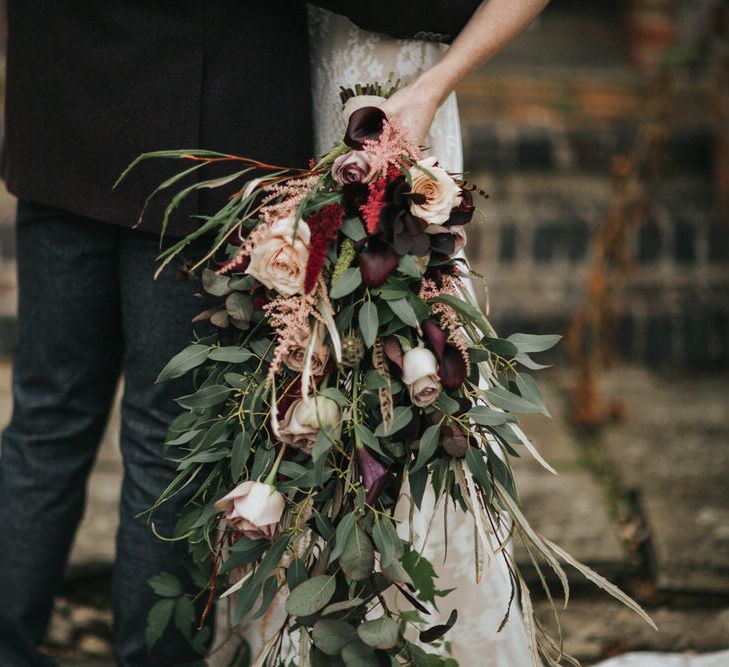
(452, 368)
(393, 350)
(365, 124)
(377, 260)
(375, 476)
(436, 336)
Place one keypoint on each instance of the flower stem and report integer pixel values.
(355, 405)
(274, 471)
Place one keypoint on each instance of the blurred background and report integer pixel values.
(602, 138)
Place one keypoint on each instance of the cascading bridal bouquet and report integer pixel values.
(350, 358)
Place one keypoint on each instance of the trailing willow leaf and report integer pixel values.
(601, 582)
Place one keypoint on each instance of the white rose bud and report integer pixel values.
(278, 259)
(441, 192)
(253, 509)
(303, 421)
(420, 374)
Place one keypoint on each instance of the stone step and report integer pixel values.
(671, 454)
(569, 508)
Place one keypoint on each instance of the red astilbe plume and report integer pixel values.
(324, 226)
(371, 209)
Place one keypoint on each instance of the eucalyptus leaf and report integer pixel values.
(331, 636)
(368, 322)
(207, 397)
(311, 596)
(534, 343)
(191, 357)
(387, 541)
(404, 312)
(485, 416)
(215, 284)
(402, 415)
(349, 281)
(428, 445)
(478, 468)
(358, 654)
(381, 633)
(358, 557)
(232, 355)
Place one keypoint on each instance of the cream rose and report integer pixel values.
(253, 509)
(278, 259)
(303, 421)
(441, 192)
(296, 355)
(420, 374)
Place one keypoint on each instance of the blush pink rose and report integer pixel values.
(353, 167)
(420, 374)
(304, 419)
(279, 257)
(253, 509)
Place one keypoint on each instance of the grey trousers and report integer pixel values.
(89, 310)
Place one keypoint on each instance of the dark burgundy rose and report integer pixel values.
(375, 476)
(365, 124)
(463, 213)
(452, 368)
(377, 260)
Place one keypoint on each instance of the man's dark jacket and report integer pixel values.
(91, 84)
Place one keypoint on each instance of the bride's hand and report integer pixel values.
(414, 108)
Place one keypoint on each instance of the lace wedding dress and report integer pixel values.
(344, 55)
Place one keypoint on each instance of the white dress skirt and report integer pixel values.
(344, 55)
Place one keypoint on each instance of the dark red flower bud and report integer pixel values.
(452, 368)
(364, 124)
(436, 336)
(376, 261)
(393, 350)
(375, 476)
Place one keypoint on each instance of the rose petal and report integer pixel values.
(365, 124)
(452, 369)
(463, 213)
(377, 261)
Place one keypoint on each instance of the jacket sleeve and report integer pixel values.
(430, 20)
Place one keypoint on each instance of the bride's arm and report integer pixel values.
(493, 25)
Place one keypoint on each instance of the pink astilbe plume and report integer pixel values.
(289, 316)
(284, 198)
(239, 261)
(447, 316)
(391, 147)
